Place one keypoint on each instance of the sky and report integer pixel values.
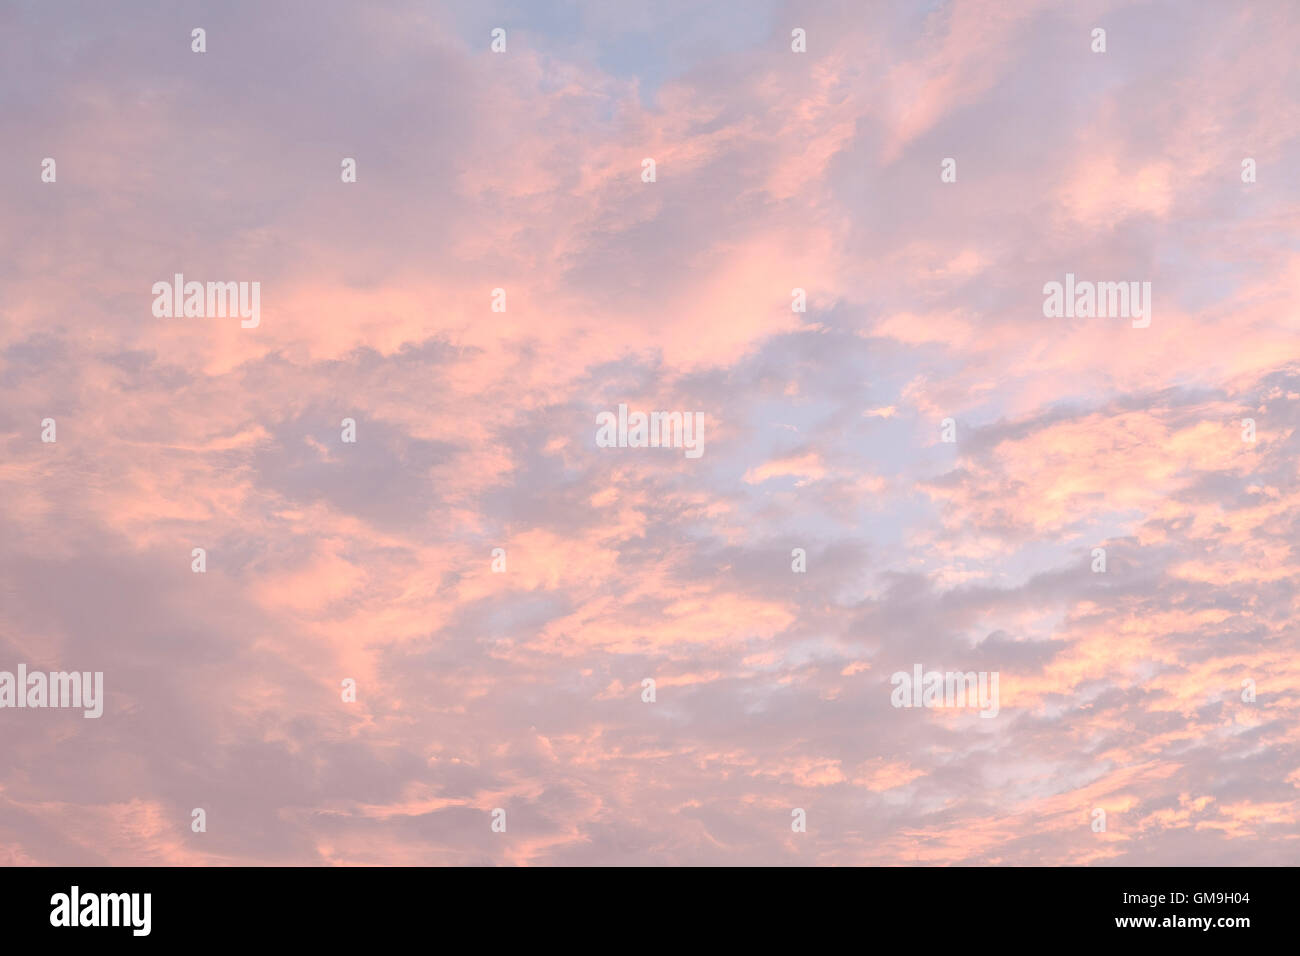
(358, 676)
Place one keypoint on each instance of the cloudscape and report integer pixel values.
(604, 433)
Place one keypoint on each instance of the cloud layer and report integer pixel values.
(522, 690)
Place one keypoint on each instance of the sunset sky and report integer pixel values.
(476, 429)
